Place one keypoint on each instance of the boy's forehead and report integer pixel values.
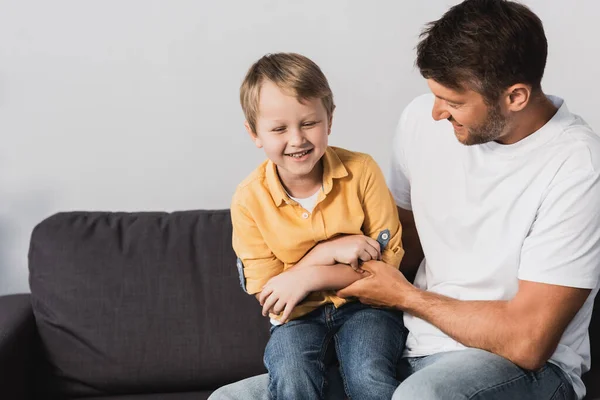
(274, 101)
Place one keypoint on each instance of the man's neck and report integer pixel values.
(535, 115)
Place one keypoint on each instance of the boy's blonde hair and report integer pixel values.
(291, 72)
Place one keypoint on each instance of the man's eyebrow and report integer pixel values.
(449, 101)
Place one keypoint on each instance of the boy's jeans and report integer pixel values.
(368, 343)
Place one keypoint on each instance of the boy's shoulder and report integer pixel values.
(253, 183)
(352, 159)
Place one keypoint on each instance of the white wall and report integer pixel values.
(133, 104)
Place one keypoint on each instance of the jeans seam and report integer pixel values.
(346, 389)
(520, 377)
(561, 389)
(322, 353)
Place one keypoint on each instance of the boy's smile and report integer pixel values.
(293, 133)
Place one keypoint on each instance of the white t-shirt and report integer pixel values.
(308, 203)
(491, 214)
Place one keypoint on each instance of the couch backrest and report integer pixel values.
(142, 302)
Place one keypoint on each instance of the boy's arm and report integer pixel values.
(381, 215)
(256, 262)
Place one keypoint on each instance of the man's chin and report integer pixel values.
(463, 138)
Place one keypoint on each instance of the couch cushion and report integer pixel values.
(142, 303)
(159, 396)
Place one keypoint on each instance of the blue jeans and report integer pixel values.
(465, 374)
(368, 344)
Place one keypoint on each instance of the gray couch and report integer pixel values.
(136, 306)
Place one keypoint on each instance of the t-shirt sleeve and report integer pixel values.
(256, 262)
(399, 177)
(381, 216)
(563, 245)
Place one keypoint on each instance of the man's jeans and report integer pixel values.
(368, 344)
(465, 374)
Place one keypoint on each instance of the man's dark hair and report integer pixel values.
(484, 45)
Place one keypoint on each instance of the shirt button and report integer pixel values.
(305, 215)
(385, 236)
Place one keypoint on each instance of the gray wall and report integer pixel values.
(133, 104)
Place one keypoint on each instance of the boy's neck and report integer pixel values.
(302, 186)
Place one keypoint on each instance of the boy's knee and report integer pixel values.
(372, 381)
(297, 380)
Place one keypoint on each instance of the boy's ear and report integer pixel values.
(253, 135)
(329, 123)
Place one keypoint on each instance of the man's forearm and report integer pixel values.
(487, 325)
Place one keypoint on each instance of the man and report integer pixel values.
(501, 190)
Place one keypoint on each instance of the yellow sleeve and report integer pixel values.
(256, 263)
(381, 214)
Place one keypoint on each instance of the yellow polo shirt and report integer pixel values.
(272, 232)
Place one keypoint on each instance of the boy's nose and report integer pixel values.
(296, 137)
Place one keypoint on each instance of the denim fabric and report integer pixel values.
(368, 344)
(466, 374)
(478, 374)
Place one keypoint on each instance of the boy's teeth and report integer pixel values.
(298, 155)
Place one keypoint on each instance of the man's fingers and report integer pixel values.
(369, 266)
(350, 290)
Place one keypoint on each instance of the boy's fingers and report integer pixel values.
(264, 294)
(289, 307)
(269, 303)
(279, 307)
(375, 245)
(365, 255)
(373, 254)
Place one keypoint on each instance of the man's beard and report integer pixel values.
(491, 129)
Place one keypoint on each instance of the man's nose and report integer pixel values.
(439, 110)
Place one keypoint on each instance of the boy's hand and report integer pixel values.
(283, 292)
(353, 250)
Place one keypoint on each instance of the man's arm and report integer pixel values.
(413, 252)
(524, 330)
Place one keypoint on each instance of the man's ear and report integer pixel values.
(517, 97)
(253, 135)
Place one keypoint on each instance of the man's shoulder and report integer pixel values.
(580, 146)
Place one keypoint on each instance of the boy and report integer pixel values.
(299, 220)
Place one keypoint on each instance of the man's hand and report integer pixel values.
(384, 287)
(352, 250)
(283, 292)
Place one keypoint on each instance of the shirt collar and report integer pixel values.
(333, 168)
